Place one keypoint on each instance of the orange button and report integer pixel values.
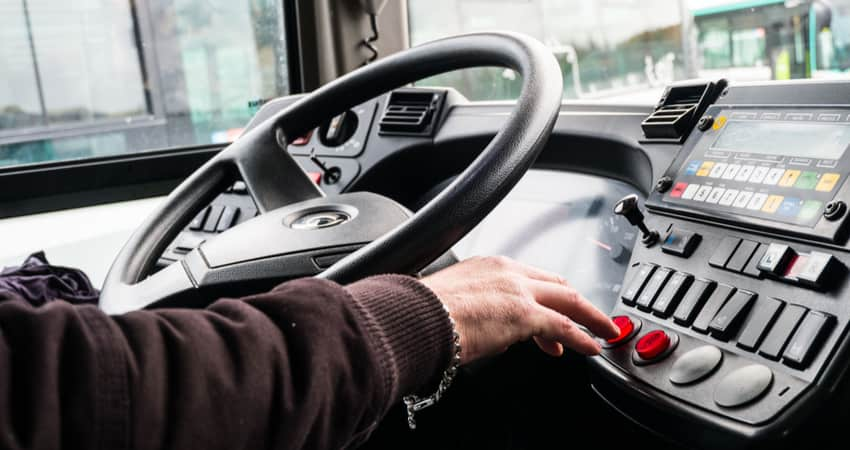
(789, 178)
(827, 182)
(705, 169)
(772, 204)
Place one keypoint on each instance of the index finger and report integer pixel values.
(570, 303)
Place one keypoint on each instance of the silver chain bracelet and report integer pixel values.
(415, 403)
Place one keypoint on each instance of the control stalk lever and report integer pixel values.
(628, 208)
(331, 174)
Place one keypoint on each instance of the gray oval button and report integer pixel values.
(743, 385)
(695, 365)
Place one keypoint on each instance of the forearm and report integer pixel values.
(308, 365)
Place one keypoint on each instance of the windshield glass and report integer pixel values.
(628, 50)
(89, 78)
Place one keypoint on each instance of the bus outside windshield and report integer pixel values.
(629, 50)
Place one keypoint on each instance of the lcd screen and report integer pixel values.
(807, 140)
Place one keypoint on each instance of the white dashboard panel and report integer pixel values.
(86, 238)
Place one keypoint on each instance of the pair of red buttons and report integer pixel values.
(649, 346)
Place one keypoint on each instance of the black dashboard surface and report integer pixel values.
(564, 223)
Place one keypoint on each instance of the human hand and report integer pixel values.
(496, 301)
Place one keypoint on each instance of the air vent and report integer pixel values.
(678, 110)
(411, 112)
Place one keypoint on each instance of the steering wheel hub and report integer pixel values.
(315, 220)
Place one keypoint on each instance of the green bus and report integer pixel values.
(772, 39)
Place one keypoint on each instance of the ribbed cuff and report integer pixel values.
(411, 328)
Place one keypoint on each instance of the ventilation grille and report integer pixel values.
(410, 113)
(679, 109)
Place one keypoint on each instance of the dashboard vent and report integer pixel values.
(411, 112)
(679, 109)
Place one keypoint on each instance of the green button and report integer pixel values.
(810, 209)
(807, 180)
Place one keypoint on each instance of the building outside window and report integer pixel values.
(88, 78)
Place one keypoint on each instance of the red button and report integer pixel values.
(315, 176)
(626, 327)
(678, 189)
(652, 344)
(303, 140)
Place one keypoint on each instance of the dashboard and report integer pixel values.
(732, 299)
(564, 223)
(737, 316)
(734, 315)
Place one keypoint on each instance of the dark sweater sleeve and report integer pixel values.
(308, 365)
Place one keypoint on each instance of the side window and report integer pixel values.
(104, 77)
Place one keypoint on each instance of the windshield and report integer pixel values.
(628, 50)
(89, 78)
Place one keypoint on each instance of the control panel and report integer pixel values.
(778, 169)
(229, 209)
(735, 305)
(736, 324)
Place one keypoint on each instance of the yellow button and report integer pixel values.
(772, 204)
(827, 182)
(789, 178)
(719, 122)
(705, 169)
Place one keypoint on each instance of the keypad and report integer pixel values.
(778, 192)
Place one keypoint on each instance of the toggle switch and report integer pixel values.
(628, 207)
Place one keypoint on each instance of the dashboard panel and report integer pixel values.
(734, 320)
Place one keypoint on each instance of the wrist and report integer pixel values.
(415, 403)
(411, 327)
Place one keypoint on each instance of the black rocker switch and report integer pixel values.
(680, 242)
(628, 208)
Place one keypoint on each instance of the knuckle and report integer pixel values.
(523, 308)
(572, 296)
(513, 285)
(567, 326)
(500, 261)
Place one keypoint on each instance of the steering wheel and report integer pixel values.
(299, 225)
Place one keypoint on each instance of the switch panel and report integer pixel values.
(639, 279)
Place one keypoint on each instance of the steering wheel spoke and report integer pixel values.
(272, 176)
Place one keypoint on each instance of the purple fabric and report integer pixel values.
(38, 282)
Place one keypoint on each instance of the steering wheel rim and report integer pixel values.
(260, 158)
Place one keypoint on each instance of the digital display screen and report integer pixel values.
(794, 139)
(778, 166)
